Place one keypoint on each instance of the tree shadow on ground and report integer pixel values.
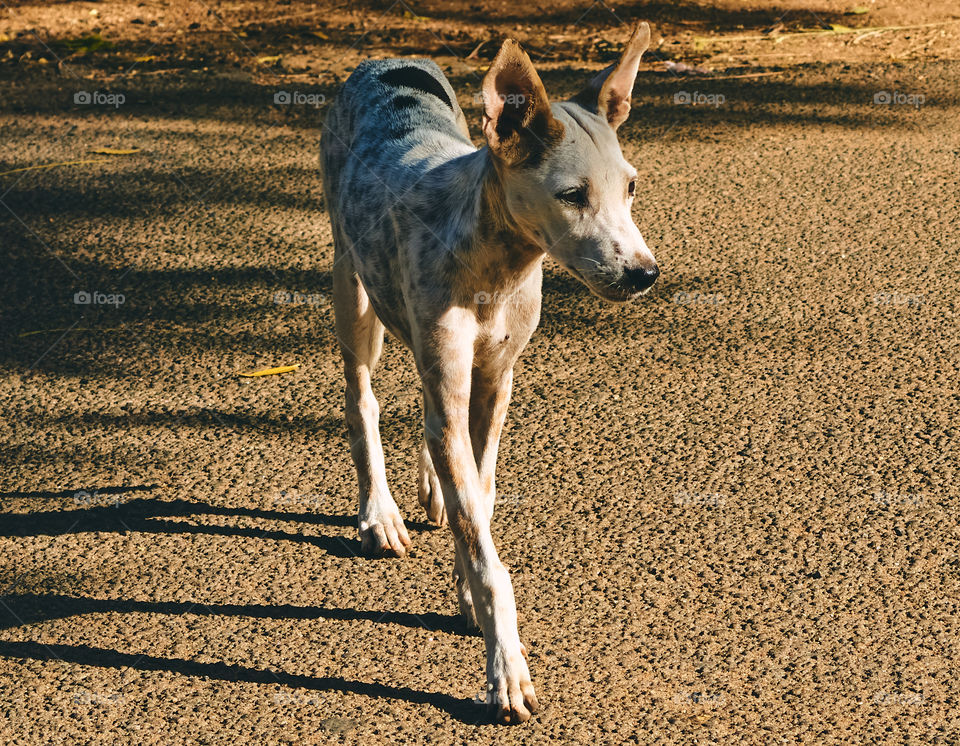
(225, 307)
(111, 513)
(842, 96)
(704, 16)
(464, 710)
(23, 609)
(425, 27)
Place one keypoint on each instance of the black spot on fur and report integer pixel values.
(435, 212)
(419, 80)
(369, 153)
(397, 132)
(402, 103)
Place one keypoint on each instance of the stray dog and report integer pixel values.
(443, 244)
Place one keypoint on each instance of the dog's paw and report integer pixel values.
(510, 695)
(428, 490)
(382, 534)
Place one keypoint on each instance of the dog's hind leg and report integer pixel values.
(360, 335)
(428, 489)
(489, 400)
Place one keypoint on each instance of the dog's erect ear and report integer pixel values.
(608, 94)
(516, 113)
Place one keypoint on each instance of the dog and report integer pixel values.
(443, 244)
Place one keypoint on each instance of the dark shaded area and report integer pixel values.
(837, 96)
(464, 710)
(431, 28)
(198, 310)
(21, 610)
(120, 490)
(182, 309)
(203, 417)
(148, 515)
(703, 15)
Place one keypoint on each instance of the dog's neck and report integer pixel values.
(499, 250)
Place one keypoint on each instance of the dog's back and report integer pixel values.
(393, 120)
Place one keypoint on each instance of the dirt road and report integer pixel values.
(730, 510)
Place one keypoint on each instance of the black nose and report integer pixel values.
(640, 278)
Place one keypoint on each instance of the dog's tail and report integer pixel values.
(335, 144)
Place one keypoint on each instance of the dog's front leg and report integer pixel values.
(446, 371)
(489, 399)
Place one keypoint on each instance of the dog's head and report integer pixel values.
(565, 180)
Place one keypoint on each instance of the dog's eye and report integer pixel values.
(632, 187)
(576, 196)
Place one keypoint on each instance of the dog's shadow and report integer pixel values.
(20, 610)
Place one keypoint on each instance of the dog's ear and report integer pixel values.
(517, 121)
(608, 94)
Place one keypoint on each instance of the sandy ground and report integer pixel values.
(729, 509)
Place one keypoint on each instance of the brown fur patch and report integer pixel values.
(528, 145)
(497, 227)
(466, 530)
